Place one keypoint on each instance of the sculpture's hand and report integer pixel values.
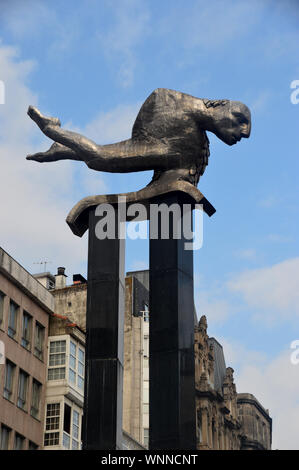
(41, 120)
(56, 152)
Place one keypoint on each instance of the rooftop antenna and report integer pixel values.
(44, 263)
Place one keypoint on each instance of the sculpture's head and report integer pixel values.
(231, 120)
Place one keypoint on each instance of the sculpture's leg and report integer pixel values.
(51, 128)
(126, 156)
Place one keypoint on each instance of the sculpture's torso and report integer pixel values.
(167, 118)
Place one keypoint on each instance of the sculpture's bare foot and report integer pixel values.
(41, 120)
(46, 156)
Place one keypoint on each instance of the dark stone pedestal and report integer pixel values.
(102, 421)
(171, 361)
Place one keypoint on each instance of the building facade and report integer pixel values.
(256, 423)
(25, 307)
(42, 326)
(65, 385)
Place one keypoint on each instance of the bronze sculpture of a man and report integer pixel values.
(168, 137)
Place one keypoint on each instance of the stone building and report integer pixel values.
(218, 426)
(256, 423)
(70, 300)
(25, 307)
(136, 357)
(225, 419)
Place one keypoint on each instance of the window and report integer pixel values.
(39, 341)
(51, 439)
(75, 427)
(75, 444)
(66, 440)
(81, 356)
(72, 369)
(9, 380)
(145, 437)
(22, 389)
(26, 331)
(19, 442)
(52, 424)
(32, 446)
(35, 398)
(4, 437)
(57, 357)
(13, 319)
(67, 418)
(56, 374)
(57, 353)
(76, 365)
(1, 307)
(145, 313)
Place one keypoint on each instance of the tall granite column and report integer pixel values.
(171, 359)
(102, 421)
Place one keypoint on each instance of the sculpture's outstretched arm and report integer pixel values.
(125, 156)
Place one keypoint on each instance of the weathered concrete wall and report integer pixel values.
(71, 302)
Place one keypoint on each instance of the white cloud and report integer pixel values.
(260, 102)
(274, 382)
(212, 25)
(26, 18)
(36, 198)
(269, 202)
(248, 254)
(131, 25)
(214, 303)
(277, 238)
(114, 125)
(273, 291)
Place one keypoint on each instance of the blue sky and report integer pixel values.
(93, 63)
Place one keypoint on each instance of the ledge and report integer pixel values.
(77, 219)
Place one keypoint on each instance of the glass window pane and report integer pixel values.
(66, 440)
(22, 389)
(57, 359)
(5, 432)
(56, 374)
(81, 355)
(73, 349)
(39, 340)
(12, 323)
(9, 377)
(1, 306)
(72, 362)
(72, 376)
(80, 382)
(26, 330)
(19, 442)
(51, 439)
(32, 446)
(75, 444)
(81, 369)
(57, 346)
(35, 398)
